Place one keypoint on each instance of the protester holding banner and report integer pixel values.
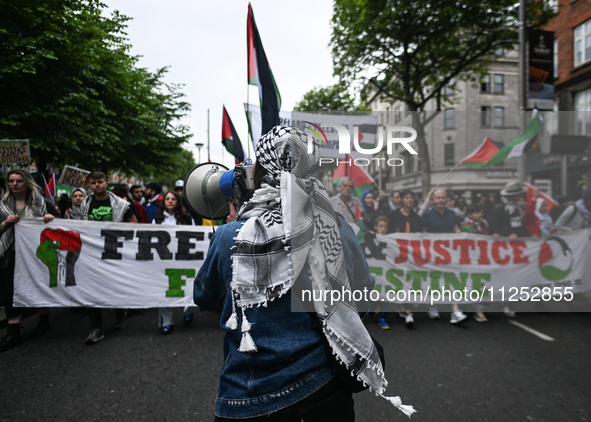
(440, 219)
(506, 218)
(576, 216)
(405, 219)
(75, 212)
(22, 199)
(102, 205)
(275, 363)
(172, 212)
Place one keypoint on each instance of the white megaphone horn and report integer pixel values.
(210, 187)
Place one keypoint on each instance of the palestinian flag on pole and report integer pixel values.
(230, 138)
(359, 223)
(259, 74)
(529, 195)
(50, 187)
(361, 179)
(484, 156)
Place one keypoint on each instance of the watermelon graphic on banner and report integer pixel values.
(555, 259)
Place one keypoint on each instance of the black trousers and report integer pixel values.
(329, 403)
(7, 287)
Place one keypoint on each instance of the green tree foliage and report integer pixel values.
(335, 97)
(406, 50)
(69, 84)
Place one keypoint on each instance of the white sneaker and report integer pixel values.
(457, 316)
(409, 321)
(480, 317)
(508, 312)
(433, 314)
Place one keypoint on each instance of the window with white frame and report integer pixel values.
(499, 116)
(582, 43)
(449, 117)
(583, 112)
(449, 155)
(499, 84)
(485, 84)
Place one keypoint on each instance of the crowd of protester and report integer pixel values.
(503, 214)
(22, 196)
(506, 213)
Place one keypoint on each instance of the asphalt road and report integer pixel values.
(495, 371)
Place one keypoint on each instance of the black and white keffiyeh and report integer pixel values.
(35, 207)
(289, 221)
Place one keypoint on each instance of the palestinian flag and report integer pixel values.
(50, 187)
(259, 73)
(515, 148)
(361, 179)
(359, 223)
(230, 138)
(529, 195)
(483, 153)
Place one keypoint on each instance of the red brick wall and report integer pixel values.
(569, 16)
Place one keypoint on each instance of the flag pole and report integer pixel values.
(447, 175)
(249, 134)
(208, 153)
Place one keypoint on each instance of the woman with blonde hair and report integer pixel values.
(22, 199)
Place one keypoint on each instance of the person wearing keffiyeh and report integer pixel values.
(275, 363)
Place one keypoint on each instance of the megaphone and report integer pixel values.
(211, 187)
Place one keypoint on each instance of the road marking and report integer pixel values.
(532, 331)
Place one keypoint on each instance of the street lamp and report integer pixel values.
(199, 145)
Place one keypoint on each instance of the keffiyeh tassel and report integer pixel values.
(406, 409)
(247, 343)
(232, 322)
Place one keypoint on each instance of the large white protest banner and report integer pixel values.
(464, 268)
(109, 265)
(118, 265)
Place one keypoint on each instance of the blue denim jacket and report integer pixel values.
(290, 363)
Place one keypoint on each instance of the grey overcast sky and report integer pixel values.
(204, 44)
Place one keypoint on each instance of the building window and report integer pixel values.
(419, 166)
(408, 163)
(583, 112)
(485, 116)
(387, 115)
(499, 116)
(398, 171)
(397, 114)
(499, 89)
(449, 118)
(499, 51)
(450, 87)
(485, 84)
(582, 43)
(555, 61)
(449, 155)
